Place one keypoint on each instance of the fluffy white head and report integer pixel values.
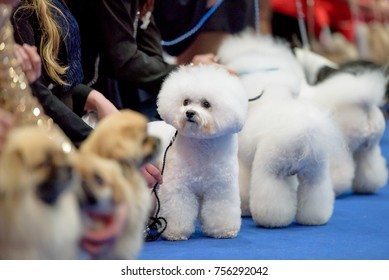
(203, 101)
(270, 59)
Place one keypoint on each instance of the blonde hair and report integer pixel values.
(50, 39)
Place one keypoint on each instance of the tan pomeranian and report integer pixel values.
(122, 140)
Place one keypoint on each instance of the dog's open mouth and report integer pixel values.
(101, 233)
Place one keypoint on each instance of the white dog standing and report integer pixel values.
(285, 144)
(207, 106)
(353, 94)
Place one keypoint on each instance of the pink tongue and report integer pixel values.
(105, 218)
(96, 248)
(96, 241)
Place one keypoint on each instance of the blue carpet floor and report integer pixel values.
(358, 229)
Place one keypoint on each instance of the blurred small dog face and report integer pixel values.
(104, 188)
(122, 136)
(36, 197)
(102, 181)
(33, 161)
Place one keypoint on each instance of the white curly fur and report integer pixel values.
(201, 174)
(354, 103)
(285, 145)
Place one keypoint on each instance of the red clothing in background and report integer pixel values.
(335, 14)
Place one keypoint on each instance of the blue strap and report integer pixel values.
(267, 69)
(256, 14)
(195, 28)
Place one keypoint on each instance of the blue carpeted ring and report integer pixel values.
(358, 229)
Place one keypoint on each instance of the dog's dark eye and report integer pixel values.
(145, 140)
(99, 180)
(43, 164)
(46, 163)
(186, 102)
(206, 104)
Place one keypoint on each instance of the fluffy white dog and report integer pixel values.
(207, 106)
(285, 145)
(353, 94)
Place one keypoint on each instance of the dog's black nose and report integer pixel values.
(190, 114)
(89, 197)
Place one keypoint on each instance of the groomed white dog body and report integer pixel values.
(354, 100)
(207, 106)
(285, 145)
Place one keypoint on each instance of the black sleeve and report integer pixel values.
(71, 124)
(79, 95)
(140, 63)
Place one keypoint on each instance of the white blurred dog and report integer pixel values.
(353, 92)
(39, 212)
(207, 106)
(285, 145)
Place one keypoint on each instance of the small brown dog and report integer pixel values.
(104, 190)
(39, 212)
(122, 138)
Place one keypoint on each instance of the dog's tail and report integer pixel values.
(365, 89)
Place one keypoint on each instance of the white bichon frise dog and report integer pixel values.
(207, 106)
(285, 145)
(353, 94)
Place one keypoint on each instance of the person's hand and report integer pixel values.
(6, 122)
(30, 61)
(151, 174)
(98, 241)
(98, 102)
(210, 58)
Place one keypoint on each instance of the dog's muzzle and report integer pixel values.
(190, 114)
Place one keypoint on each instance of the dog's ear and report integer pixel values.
(324, 73)
(11, 169)
(312, 63)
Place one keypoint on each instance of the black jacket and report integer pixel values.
(128, 54)
(65, 108)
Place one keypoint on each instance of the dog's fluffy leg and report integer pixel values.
(371, 171)
(342, 168)
(315, 194)
(180, 224)
(244, 186)
(220, 213)
(273, 197)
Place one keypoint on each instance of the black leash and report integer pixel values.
(158, 224)
(257, 97)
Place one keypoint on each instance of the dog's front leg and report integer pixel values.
(180, 209)
(371, 171)
(220, 212)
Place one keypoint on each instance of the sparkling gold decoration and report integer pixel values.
(15, 93)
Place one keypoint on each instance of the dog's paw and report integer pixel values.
(225, 234)
(175, 237)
